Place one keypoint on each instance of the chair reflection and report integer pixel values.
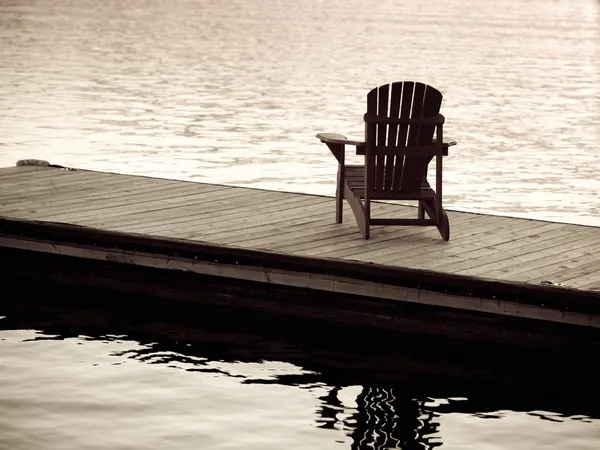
(382, 419)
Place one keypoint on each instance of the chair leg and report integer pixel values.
(363, 226)
(428, 207)
(339, 195)
(367, 211)
(359, 209)
(444, 226)
(421, 210)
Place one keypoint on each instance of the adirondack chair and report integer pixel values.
(400, 123)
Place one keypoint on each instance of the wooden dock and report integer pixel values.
(493, 266)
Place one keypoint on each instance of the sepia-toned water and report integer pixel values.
(233, 92)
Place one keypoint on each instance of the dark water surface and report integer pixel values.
(85, 374)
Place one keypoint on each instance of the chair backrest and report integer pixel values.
(391, 173)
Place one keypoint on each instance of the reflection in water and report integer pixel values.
(406, 396)
(381, 419)
(384, 420)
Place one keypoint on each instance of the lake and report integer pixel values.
(234, 92)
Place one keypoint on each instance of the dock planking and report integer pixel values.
(519, 265)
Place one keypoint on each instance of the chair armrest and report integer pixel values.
(433, 120)
(335, 138)
(445, 144)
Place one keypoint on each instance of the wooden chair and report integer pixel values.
(400, 124)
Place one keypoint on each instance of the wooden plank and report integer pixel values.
(203, 195)
(470, 237)
(322, 229)
(41, 191)
(238, 235)
(183, 221)
(583, 266)
(417, 241)
(107, 200)
(227, 200)
(546, 265)
(21, 172)
(236, 208)
(8, 172)
(271, 234)
(587, 266)
(594, 284)
(105, 211)
(87, 191)
(119, 197)
(427, 236)
(466, 227)
(323, 217)
(104, 190)
(114, 178)
(515, 233)
(382, 208)
(61, 174)
(49, 176)
(67, 181)
(259, 206)
(57, 178)
(309, 241)
(295, 216)
(190, 197)
(14, 169)
(313, 231)
(36, 196)
(108, 178)
(322, 246)
(495, 251)
(588, 281)
(546, 247)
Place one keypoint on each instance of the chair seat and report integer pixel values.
(355, 177)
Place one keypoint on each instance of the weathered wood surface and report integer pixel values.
(483, 246)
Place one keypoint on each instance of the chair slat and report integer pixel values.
(407, 96)
(382, 135)
(371, 131)
(392, 160)
(413, 165)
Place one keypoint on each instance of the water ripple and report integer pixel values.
(234, 93)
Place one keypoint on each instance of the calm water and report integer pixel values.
(233, 92)
(100, 377)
